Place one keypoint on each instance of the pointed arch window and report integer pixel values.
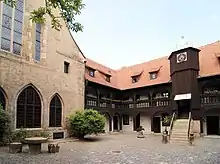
(2, 98)
(55, 112)
(28, 109)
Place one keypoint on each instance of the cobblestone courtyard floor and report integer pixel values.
(121, 149)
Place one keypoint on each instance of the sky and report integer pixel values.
(120, 33)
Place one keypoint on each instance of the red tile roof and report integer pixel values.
(121, 79)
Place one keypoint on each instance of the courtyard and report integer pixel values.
(121, 149)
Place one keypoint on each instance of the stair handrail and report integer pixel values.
(190, 118)
(171, 123)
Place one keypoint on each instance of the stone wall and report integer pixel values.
(46, 76)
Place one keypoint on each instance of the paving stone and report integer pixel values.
(150, 150)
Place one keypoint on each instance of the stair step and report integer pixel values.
(179, 142)
(180, 131)
(179, 135)
(179, 138)
(182, 120)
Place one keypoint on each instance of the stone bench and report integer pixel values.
(34, 144)
(15, 147)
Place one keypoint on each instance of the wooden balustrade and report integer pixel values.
(120, 104)
(92, 102)
(210, 99)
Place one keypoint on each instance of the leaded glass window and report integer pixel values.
(11, 32)
(55, 112)
(28, 109)
(38, 42)
(18, 22)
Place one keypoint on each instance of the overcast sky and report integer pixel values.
(119, 33)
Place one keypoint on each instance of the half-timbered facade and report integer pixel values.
(185, 83)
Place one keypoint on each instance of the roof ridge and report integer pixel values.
(101, 64)
(218, 41)
(145, 62)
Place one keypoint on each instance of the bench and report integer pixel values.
(34, 144)
(15, 147)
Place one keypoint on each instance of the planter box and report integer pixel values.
(140, 134)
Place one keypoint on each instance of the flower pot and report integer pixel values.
(140, 134)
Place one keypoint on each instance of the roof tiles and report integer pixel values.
(122, 78)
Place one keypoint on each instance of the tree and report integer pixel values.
(69, 9)
(87, 122)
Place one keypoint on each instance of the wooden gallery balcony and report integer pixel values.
(210, 99)
(91, 102)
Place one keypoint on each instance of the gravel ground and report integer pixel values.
(121, 149)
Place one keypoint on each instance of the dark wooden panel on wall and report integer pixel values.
(184, 73)
(191, 63)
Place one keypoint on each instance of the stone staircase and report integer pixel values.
(179, 132)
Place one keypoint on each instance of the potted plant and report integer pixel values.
(191, 138)
(140, 131)
(166, 122)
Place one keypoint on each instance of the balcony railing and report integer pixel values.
(91, 102)
(210, 99)
(120, 104)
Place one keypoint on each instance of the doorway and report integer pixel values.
(156, 125)
(116, 121)
(136, 121)
(183, 108)
(212, 123)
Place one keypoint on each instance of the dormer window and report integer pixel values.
(134, 79)
(154, 72)
(107, 78)
(91, 73)
(153, 75)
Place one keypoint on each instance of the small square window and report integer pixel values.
(107, 78)
(66, 67)
(125, 119)
(153, 75)
(134, 79)
(91, 73)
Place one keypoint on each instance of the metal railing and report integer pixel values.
(171, 123)
(189, 126)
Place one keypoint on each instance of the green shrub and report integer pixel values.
(4, 125)
(87, 122)
(166, 120)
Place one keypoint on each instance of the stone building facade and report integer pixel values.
(41, 69)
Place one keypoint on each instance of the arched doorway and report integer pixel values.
(28, 109)
(108, 122)
(2, 98)
(55, 119)
(116, 122)
(136, 121)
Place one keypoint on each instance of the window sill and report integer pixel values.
(36, 61)
(28, 129)
(55, 128)
(4, 52)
